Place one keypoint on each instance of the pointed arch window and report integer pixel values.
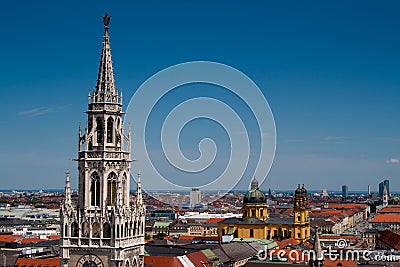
(111, 188)
(96, 230)
(110, 128)
(90, 145)
(74, 229)
(106, 230)
(99, 130)
(95, 189)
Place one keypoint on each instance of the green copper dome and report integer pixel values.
(254, 195)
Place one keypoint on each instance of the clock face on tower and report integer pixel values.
(89, 260)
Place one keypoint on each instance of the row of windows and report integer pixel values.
(111, 189)
(121, 230)
(100, 133)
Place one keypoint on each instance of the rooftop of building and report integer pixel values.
(386, 218)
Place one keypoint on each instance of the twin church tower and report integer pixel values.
(105, 228)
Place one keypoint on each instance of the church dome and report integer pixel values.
(254, 195)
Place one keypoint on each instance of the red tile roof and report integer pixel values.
(346, 205)
(214, 220)
(198, 259)
(390, 238)
(186, 237)
(339, 262)
(292, 255)
(10, 238)
(337, 237)
(32, 240)
(50, 262)
(162, 261)
(287, 242)
(54, 237)
(383, 218)
(390, 209)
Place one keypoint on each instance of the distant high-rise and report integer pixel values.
(369, 190)
(382, 185)
(345, 191)
(325, 193)
(195, 197)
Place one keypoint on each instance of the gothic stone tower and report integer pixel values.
(105, 228)
(301, 219)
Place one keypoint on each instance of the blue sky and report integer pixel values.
(329, 70)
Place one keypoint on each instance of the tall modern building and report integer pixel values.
(105, 228)
(195, 197)
(345, 191)
(382, 185)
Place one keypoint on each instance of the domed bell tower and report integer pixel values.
(301, 219)
(254, 203)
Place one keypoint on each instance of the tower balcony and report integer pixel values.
(98, 155)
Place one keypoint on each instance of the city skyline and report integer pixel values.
(331, 82)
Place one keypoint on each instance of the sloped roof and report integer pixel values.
(198, 258)
(288, 242)
(280, 220)
(214, 220)
(161, 224)
(162, 261)
(49, 262)
(221, 255)
(390, 238)
(390, 209)
(10, 238)
(32, 240)
(238, 250)
(339, 262)
(386, 218)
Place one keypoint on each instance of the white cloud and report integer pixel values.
(393, 161)
(334, 138)
(35, 112)
(40, 111)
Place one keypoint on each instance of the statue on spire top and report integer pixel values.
(106, 19)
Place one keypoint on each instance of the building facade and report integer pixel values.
(256, 223)
(104, 228)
